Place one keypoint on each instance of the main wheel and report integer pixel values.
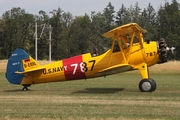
(153, 84)
(147, 85)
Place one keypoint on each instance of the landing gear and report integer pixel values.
(25, 88)
(147, 85)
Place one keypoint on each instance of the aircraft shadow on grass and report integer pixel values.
(14, 90)
(99, 90)
(85, 91)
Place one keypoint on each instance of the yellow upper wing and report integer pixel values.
(123, 30)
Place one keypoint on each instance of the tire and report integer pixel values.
(153, 84)
(147, 85)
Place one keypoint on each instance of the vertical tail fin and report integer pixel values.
(29, 63)
(19, 61)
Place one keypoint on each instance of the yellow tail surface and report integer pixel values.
(29, 63)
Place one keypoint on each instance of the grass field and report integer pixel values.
(115, 97)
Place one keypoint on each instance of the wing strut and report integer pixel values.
(122, 50)
(131, 43)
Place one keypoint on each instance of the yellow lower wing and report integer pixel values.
(115, 69)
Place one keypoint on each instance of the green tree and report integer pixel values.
(169, 24)
(2, 37)
(42, 21)
(121, 17)
(58, 47)
(136, 10)
(16, 30)
(67, 32)
(80, 35)
(148, 21)
(98, 28)
(109, 16)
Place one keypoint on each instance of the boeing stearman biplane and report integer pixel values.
(128, 52)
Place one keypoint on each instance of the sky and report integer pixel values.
(76, 7)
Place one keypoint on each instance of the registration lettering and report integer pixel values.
(30, 64)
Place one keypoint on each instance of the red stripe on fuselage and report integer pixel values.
(73, 68)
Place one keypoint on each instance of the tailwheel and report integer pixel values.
(147, 85)
(25, 88)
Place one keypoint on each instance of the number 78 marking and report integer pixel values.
(83, 66)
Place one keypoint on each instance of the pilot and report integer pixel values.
(126, 41)
(95, 51)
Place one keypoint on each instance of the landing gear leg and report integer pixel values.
(146, 84)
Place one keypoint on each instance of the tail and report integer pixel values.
(19, 61)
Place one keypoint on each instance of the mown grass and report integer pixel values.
(113, 97)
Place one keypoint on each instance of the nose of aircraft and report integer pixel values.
(163, 50)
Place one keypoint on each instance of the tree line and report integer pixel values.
(80, 34)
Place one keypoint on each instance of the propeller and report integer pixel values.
(163, 50)
(172, 49)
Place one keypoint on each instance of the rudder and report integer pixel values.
(19, 61)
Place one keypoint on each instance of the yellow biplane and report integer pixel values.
(128, 52)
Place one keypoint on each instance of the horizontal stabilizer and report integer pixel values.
(30, 70)
(115, 69)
